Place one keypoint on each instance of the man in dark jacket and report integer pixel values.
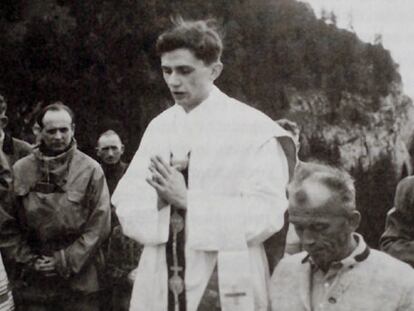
(123, 253)
(59, 220)
(13, 148)
(398, 238)
(110, 150)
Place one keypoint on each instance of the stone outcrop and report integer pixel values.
(354, 134)
(370, 139)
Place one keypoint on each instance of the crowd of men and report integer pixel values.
(186, 226)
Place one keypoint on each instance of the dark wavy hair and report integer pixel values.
(202, 37)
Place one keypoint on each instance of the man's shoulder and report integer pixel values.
(164, 116)
(383, 268)
(298, 258)
(390, 264)
(25, 174)
(249, 116)
(24, 164)
(243, 111)
(84, 160)
(22, 145)
(292, 262)
(290, 268)
(407, 182)
(162, 121)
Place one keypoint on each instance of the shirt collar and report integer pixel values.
(205, 106)
(359, 254)
(191, 126)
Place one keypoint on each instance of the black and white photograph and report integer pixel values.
(192, 155)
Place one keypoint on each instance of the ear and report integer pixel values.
(122, 149)
(216, 69)
(98, 151)
(73, 129)
(355, 219)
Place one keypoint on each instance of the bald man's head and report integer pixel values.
(322, 210)
(110, 147)
(316, 182)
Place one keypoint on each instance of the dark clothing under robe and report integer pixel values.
(122, 252)
(113, 174)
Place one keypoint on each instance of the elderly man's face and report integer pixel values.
(324, 229)
(110, 149)
(57, 131)
(188, 78)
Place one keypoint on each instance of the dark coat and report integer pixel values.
(15, 149)
(113, 174)
(398, 238)
(69, 224)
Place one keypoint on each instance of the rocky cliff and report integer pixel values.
(370, 140)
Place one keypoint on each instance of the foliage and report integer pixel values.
(375, 191)
(98, 56)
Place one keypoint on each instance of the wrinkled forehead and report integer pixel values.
(109, 141)
(57, 119)
(314, 199)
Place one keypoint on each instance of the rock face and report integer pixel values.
(353, 133)
(371, 140)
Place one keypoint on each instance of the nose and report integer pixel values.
(110, 152)
(308, 238)
(58, 135)
(173, 80)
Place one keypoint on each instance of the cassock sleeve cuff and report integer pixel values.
(147, 226)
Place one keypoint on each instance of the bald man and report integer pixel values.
(337, 270)
(61, 216)
(110, 150)
(122, 253)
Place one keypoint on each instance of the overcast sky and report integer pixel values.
(393, 19)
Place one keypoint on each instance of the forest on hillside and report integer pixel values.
(98, 57)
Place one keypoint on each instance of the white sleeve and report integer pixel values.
(265, 198)
(248, 217)
(136, 202)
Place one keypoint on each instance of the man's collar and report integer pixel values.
(359, 254)
(212, 98)
(46, 152)
(112, 167)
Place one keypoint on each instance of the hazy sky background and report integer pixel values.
(393, 19)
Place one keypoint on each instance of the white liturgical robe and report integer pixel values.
(237, 176)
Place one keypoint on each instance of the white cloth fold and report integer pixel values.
(237, 180)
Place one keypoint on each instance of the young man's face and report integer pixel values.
(323, 229)
(110, 149)
(188, 78)
(57, 131)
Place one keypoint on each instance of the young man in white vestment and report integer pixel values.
(206, 187)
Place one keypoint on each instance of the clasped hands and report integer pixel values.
(168, 181)
(46, 265)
